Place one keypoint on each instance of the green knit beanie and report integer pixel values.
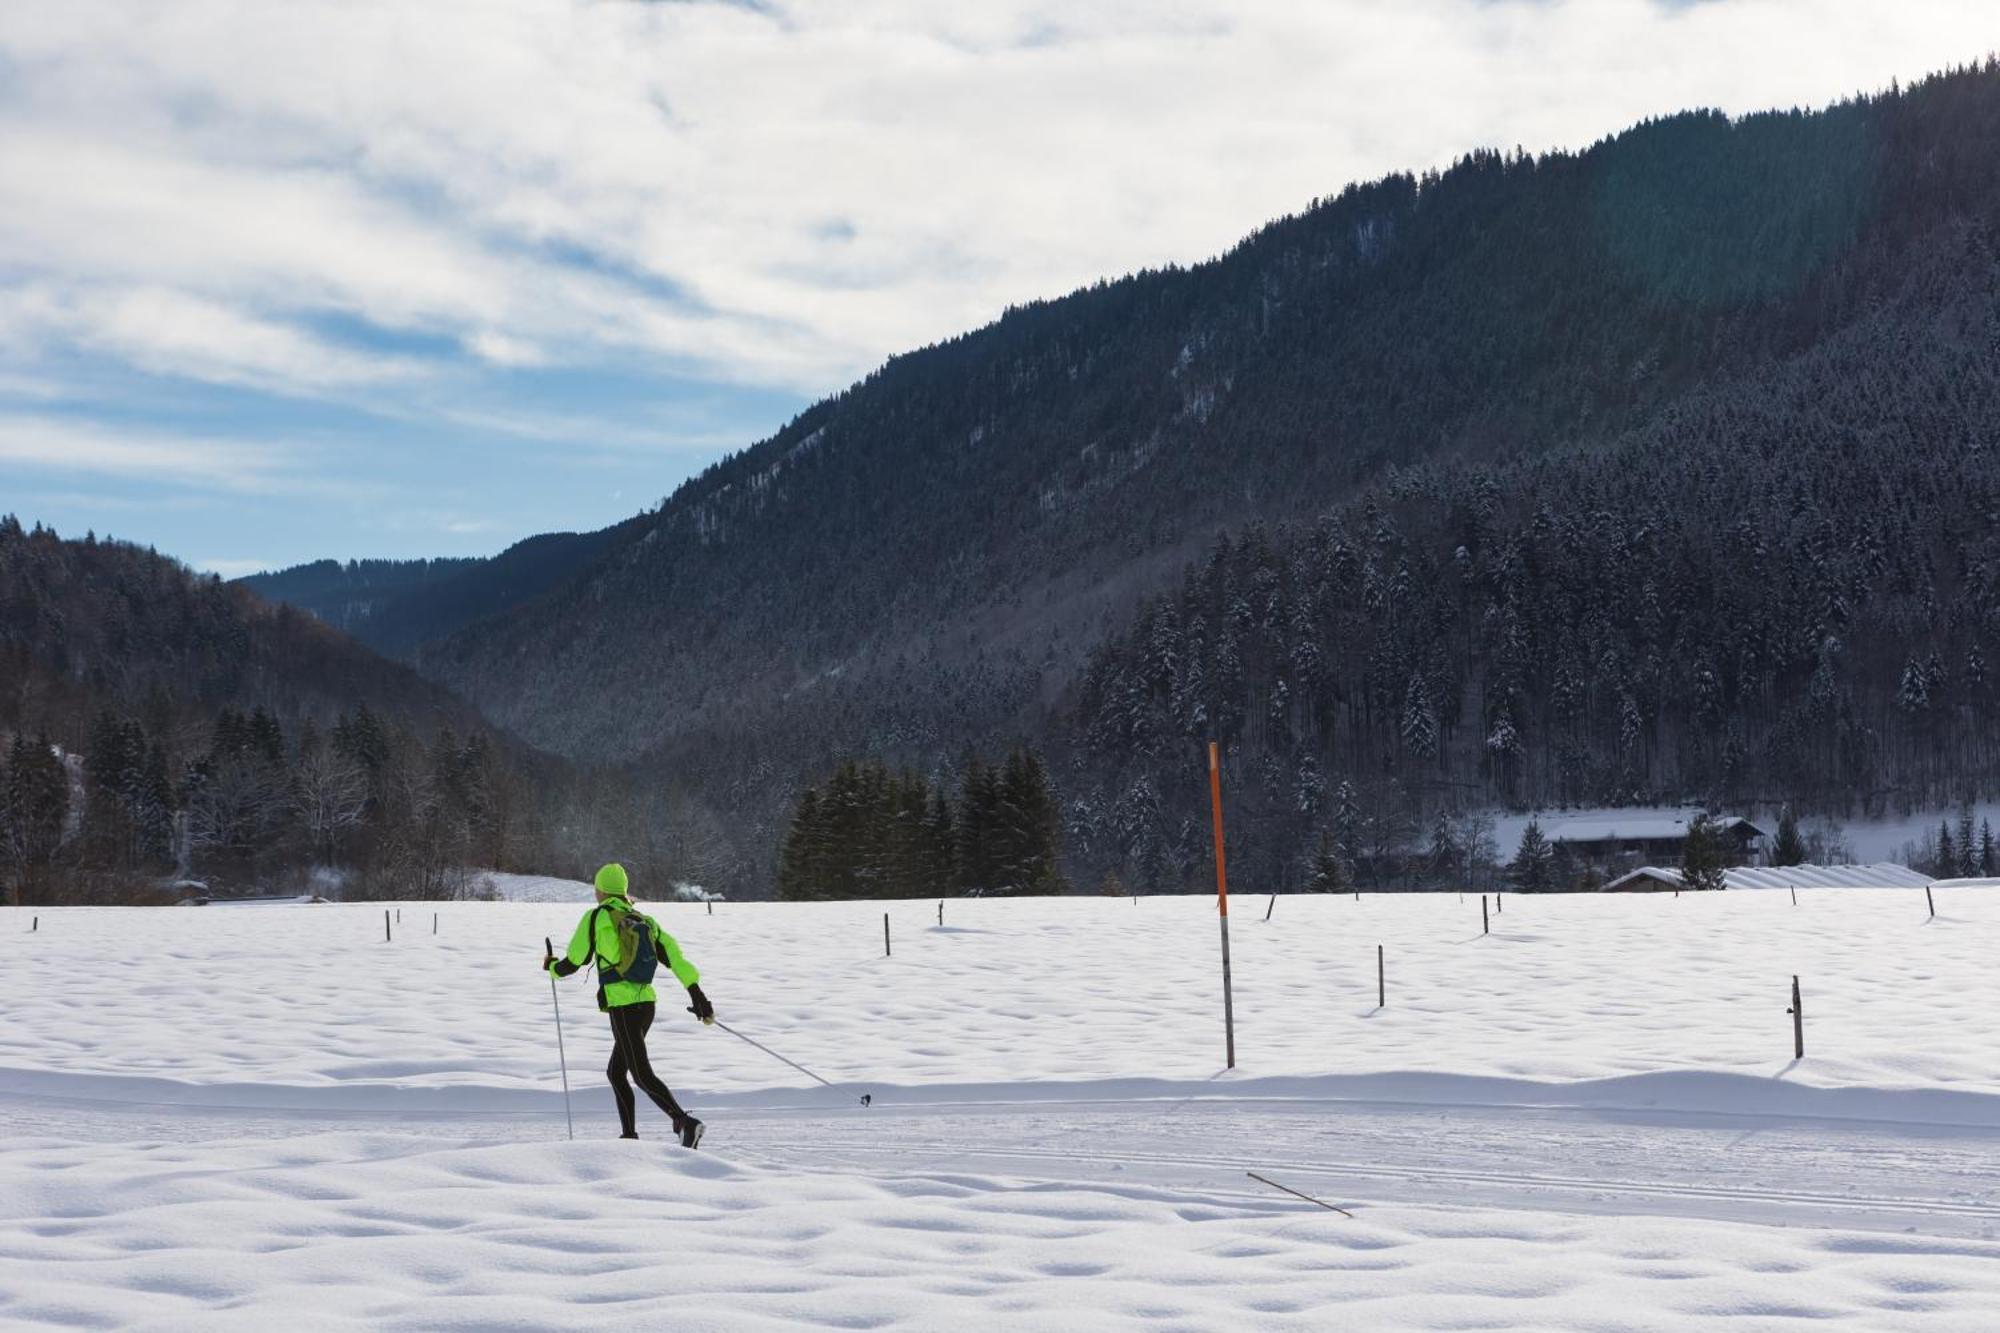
(611, 881)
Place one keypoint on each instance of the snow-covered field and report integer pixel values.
(1590, 1118)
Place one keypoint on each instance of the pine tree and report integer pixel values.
(1534, 867)
(1419, 725)
(1702, 855)
(1329, 870)
(1944, 861)
(798, 863)
(1788, 848)
(1446, 857)
(1968, 852)
(1026, 832)
(1346, 825)
(978, 818)
(1989, 856)
(940, 841)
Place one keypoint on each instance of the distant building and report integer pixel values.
(1614, 842)
(1884, 875)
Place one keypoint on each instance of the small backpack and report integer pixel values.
(635, 946)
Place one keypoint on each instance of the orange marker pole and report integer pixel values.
(1222, 902)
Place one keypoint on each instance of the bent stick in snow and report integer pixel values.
(1307, 1197)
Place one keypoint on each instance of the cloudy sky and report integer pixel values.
(422, 277)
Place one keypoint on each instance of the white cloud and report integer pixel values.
(501, 350)
(163, 331)
(780, 194)
(62, 447)
(231, 568)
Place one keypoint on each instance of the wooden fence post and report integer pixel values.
(1381, 981)
(1268, 906)
(885, 934)
(1485, 923)
(1798, 1013)
(386, 936)
(1932, 901)
(1222, 903)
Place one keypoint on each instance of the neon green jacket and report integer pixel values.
(618, 994)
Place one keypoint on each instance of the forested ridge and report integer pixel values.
(1657, 471)
(1786, 591)
(160, 728)
(396, 606)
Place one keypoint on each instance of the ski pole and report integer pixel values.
(561, 1055)
(865, 1099)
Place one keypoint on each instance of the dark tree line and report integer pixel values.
(871, 833)
(369, 807)
(373, 809)
(1956, 849)
(160, 728)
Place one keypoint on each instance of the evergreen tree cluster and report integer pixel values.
(34, 815)
(374, 810)
(1958, 849)
(870, 833)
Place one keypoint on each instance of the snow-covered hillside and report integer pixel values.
(1051, 1139)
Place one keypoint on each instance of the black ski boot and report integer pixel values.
(691, 1129)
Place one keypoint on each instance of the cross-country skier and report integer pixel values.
(628, 946)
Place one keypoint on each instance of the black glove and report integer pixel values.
(701, 1008)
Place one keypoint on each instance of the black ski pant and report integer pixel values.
(629, 1023)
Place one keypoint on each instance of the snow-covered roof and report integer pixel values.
(1882, 875)
(1976, 882)
(1640, 828)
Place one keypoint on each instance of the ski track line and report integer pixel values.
(1716, 1193)
(1362, 1170)
(751, 1105)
